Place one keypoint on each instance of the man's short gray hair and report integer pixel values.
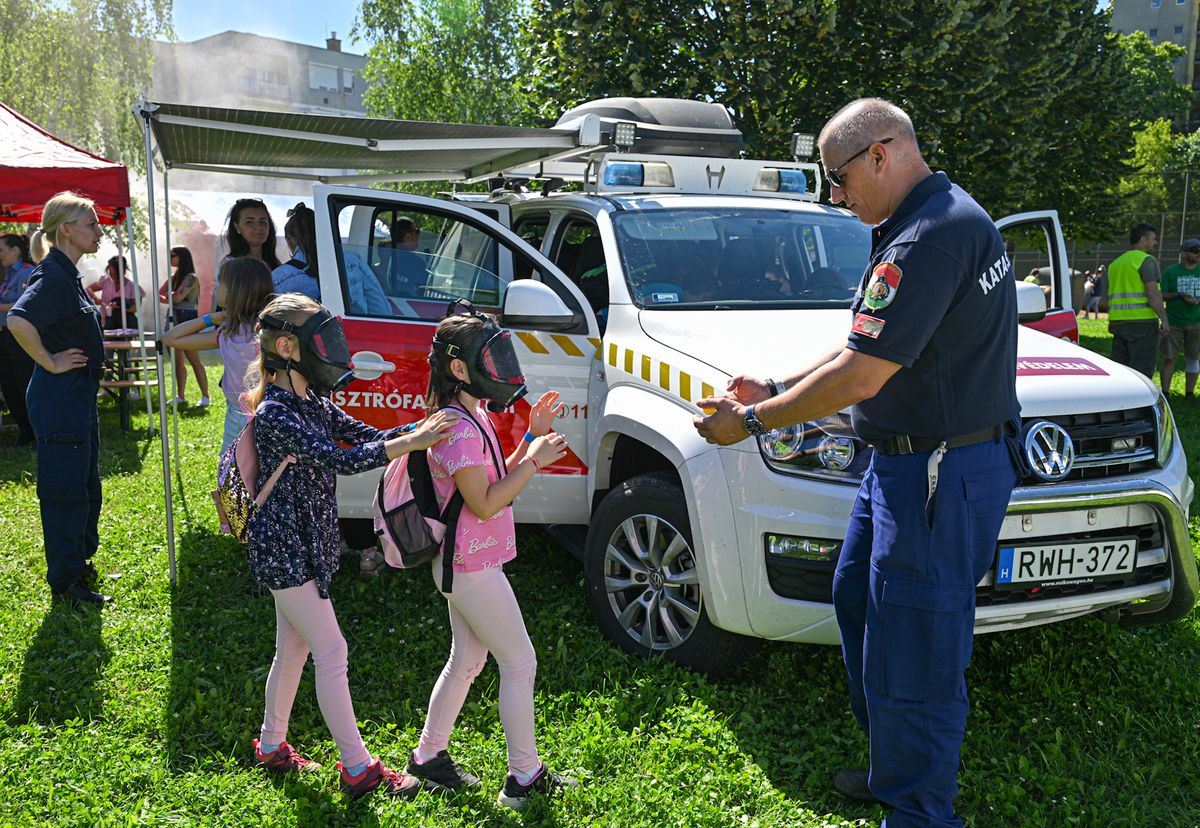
(865, 121)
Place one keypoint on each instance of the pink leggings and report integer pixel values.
(305, 622)
(484, 616)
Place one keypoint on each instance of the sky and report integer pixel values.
(304, 21)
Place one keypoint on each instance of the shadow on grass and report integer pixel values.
(222, 637)
(61, 668)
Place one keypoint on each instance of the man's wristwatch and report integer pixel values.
(752, 424)
(777, 388)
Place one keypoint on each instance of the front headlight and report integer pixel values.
(808, 451)
(1165, 427)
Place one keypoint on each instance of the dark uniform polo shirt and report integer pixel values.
(57, 305)
(939, 299)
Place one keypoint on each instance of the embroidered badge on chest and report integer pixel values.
(885, 281)
(868, 325)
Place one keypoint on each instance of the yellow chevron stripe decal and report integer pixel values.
(628, 360)
(598, 345)
(567, 345)
(532, 342)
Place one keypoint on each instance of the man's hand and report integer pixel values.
(725, 426)
(747, 390)
(67, 360)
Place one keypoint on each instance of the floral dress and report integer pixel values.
(293, 537)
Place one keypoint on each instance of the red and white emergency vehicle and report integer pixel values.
(671, 265)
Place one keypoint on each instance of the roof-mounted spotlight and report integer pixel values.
(803, 144)
(625, 135)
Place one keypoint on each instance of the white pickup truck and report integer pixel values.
(647, 287)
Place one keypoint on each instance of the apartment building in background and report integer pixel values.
(239, 70)
(1173, 21)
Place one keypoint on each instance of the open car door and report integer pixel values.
(1042, 231)
(390, 266)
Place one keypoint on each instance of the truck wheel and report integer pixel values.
(642, 581)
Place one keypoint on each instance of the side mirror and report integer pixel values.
(530, 304)
(1031, 302)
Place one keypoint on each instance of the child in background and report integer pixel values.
(184, 288)
(243, 291)
(293, 545)
(484, 615)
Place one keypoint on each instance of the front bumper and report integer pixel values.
(766, 502)
(1081, 507)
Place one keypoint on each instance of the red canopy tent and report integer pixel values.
(34, 165)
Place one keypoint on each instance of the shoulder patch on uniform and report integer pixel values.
(885, 281)
(868, 325)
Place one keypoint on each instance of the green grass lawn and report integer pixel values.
(143, 714)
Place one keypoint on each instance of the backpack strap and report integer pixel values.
(455, 505)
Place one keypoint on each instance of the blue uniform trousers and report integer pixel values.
(62, 410)
(904, 591)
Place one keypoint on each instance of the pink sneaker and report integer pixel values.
(378, 775)
(284, 759)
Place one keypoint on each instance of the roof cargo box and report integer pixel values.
(667, 126)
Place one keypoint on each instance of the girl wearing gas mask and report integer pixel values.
(472, 362)
(293, 538)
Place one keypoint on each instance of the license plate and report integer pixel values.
(1066, 563)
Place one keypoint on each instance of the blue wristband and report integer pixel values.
(208, 323)
(529, 438)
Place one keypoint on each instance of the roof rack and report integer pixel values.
(638, 173)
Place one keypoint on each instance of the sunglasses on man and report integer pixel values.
(835, 175)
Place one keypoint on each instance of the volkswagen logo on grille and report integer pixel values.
(1049, 450)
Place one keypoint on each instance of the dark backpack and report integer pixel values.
(411, 527)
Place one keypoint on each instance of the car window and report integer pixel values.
(1028, 246)
(533, 230)
(695, 257)
(402, 263)
(579, 253)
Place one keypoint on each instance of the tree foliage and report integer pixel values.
(1026, 104)
(457, 61)
(75, 68)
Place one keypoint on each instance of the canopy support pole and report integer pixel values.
(171, 321)
(142, 338)
(158, 350)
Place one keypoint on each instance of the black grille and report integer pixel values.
(801, 580)
(1148, 537)
(1093, 434)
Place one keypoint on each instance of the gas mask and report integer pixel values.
(492, 366)
(324, 357)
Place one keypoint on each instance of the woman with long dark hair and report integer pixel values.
(185, 294)
(16, 266)
(250, 231)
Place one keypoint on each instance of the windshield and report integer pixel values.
(738, 257)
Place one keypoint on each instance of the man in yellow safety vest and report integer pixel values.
(1135, 304)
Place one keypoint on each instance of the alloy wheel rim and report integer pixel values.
(652, 583)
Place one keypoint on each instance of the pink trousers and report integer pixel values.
(484, 616)
(305, 623)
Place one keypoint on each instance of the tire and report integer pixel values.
(642, 581)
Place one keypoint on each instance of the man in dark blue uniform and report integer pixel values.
(930, 370)
(58, 325)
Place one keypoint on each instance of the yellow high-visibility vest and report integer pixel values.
(1126, 291)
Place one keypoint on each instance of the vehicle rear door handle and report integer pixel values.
(368, 365)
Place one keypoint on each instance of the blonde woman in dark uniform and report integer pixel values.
(58, 325)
